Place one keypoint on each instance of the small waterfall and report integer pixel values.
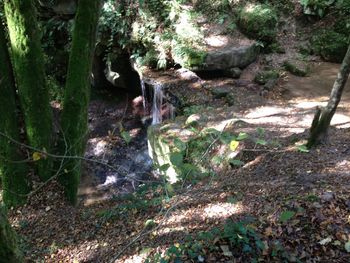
(144, 100)
(157, 104)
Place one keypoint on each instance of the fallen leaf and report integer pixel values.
(226, 250)
(325, 241)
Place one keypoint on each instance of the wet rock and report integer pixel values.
(233, 73)
(297, 68)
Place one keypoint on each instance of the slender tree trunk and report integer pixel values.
(9, 251)
(77, 93)
(323, 116)
(14, 175)
(28, 65)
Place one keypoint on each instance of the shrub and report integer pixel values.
(330, 45)
(258, 21)
(316, 7)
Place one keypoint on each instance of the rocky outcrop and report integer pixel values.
(231, 57)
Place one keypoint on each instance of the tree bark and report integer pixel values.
(9, 251)
(28, 67)
(323, 116)
(13, 175)
(77, 93)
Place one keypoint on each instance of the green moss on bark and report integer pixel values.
(13, 174)
(76, 97)
(28, 65)
(9, 251)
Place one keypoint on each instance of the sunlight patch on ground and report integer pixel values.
(216, 41)
(99, 146)
(220, 210)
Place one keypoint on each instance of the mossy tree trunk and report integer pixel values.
(13, 174)
(9, 251)
(323, 116)
(77, 93)
(28, 67)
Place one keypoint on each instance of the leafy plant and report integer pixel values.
(316, 7)
(258, 21)
(234, 239)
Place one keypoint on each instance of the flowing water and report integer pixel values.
(144, 98)
(157, 104)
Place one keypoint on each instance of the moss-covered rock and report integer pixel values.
(297, 68)
(330, 45)
(220, 92)
(258, 21)
(188, 57)
(263, 77)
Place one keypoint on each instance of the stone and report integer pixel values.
(230, 99)
(264, 76)
(231, 57)
(327, 196)
(270, 84)
(297, 68)
(233, 73)
(220, 92)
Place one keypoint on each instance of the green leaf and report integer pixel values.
(149, 223)
(242, 136)
(260, 131)
(303, 149)
(226, 137)
(216, 160)
(286, 215)
(347, 246)
(126, 136)
(232, 200)
(261, 142)
(176, 158)
(180, 144)
(164, 167)
(236, 162)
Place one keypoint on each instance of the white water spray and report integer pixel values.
(143, 88)
(157, 104)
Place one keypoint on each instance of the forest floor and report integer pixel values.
(298, 200)
(296, 203)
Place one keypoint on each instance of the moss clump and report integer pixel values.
(258, 21)
(297, 68)
(330, 45)
(188, 57)
(263, 77)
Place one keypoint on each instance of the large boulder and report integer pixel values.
(231, 57)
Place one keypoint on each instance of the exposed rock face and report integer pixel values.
(231, 57)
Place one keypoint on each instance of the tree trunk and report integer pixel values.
(9, 251)
(14, 175)
(28, 67)
(77, 93)
(323, 116)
